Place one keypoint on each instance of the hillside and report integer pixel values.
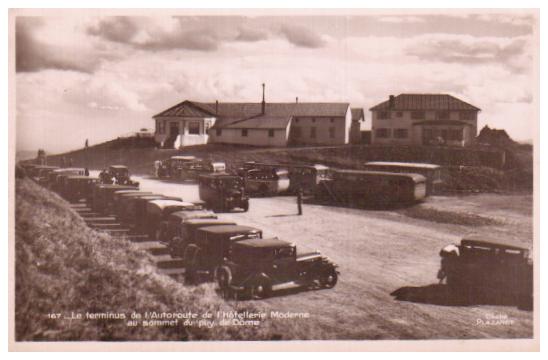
(64, 267)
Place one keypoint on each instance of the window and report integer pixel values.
(194, 127)
(332, 132)
(382, 133)
(271, 133)
(455, 135)
(399, 114)
(219, 132)
(161, 127)
(401, 133)
(466, 115)
(297, 132)
(313, 120)
(383, 115)
(332, 120)
(244, 132)
(296, 120)
(417, 115)
(443, 115)
(313, 132)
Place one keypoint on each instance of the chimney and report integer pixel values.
(391, 101)
(263, 103)
(216, 107)
(297, 100)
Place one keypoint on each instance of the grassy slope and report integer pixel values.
(62, 266)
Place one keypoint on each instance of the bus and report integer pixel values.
(376, 187)
(431, 172)
(266, 182)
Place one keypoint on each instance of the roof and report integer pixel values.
(219, 175)
(277, 113)
(118, 166)
(163, 203)
(183, 157)
(185, 214)
(62, 170)
(442, 122)
(81, 177)
(381, 173)
(208, 222)
(229, 229)
(425, 102)
(133, 194)
(357, 114)
(264, 243)
(259, 122)
(403, 164)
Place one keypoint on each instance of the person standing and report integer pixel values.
(300, 200)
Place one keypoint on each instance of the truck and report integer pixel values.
(223, 192)
(255, 268)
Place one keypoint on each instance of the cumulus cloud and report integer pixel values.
(301, 36)
(402, 19)
(118, 29)
(469, 50)
(246, 33)
(32, 54)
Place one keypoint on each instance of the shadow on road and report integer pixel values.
(439, 294)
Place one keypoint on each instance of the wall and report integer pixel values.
(414, 132)
(184, 138)
(322, 125)
(256, 137)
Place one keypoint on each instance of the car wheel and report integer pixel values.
(329, 279)
(261, 288)
(246, 206)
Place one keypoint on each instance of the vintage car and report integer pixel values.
(170, 226)
(483, 266)
(102, 196)
(117, 174)
(255, 268)
(136, 211)
(54, 182)
(78, 187)
(37, 172)
(42, 176)
(158, 211)
(223, 192)
(193, 170)
(266, 182)
(211, 245)
(120, 200)
(178, 164)
(185, 232)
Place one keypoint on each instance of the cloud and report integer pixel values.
(120, 29)
(402, 19)
(470, 50)
(301, 36)
(249, 34)
(33, 55)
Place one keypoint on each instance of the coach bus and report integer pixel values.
(431, 172)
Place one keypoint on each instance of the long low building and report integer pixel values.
(258, 124)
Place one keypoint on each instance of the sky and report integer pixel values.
(98, 77)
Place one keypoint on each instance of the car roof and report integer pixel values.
(61, 170)
(81, 177)
(183, 157)
(478, 240)
(134, 194)
(206, 222)
(220, 175)
(183, 214)
(264, 243)
(168, 202)
(229, 229)
(118, 167)
(381, 173)
(116, 186)
(127, 191)
(152, 197)
(403, 164)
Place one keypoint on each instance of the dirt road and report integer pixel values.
(382, 252)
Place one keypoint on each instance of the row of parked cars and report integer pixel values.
(238, 257)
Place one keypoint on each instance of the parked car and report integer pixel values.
(121, 197)
(137, 210)
(479, 265)
(266, 182)
(117, 174)
(42, 177)
(158, 211)
(211, 245)
(102, 200)
(54, 182)
(184, 233)
(169, 227)
(78, 187)
(223, 192)
(255, 268)
(179, 163)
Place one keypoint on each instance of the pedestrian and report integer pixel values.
(86, 172)
(300, 200)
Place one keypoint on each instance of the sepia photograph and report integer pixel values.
(192, 178)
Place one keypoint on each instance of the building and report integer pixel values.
(358, 117)
(424, 119)
(258, 124)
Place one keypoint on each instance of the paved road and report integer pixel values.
(380, 252)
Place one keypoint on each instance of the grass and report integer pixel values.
(62, 266)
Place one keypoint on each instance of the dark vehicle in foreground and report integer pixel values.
(78, 187)
(211, 245)
(102, 198)
(431, 172)
(374, 188)
(117, 174)
(477, 266)
(223, 192)
(256, 268)
(184, 233)
(157, 211)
